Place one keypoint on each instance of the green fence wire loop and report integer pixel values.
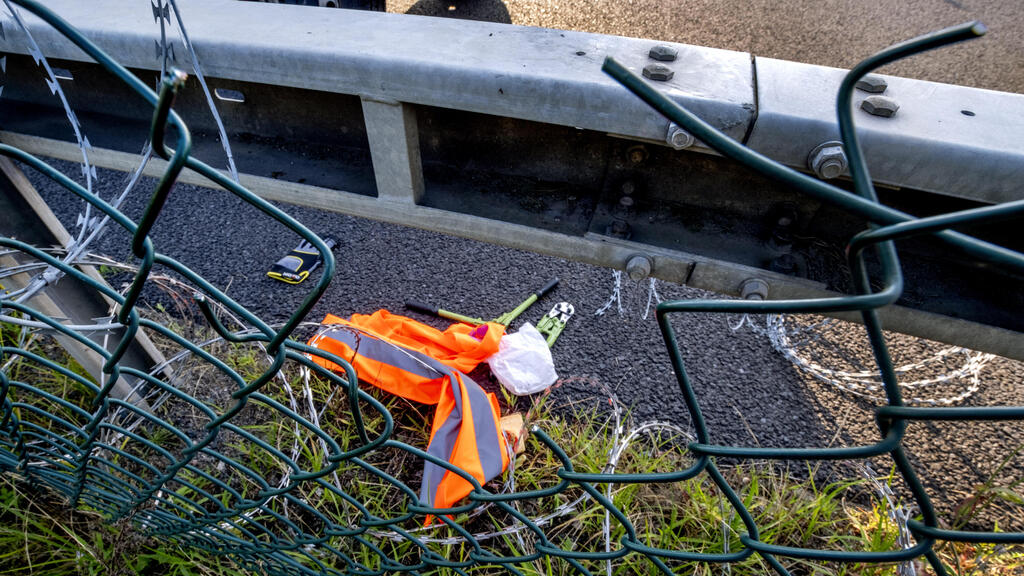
(187, 486)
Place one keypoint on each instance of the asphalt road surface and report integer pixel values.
(750, 393)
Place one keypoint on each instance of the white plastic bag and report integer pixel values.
(523, 362)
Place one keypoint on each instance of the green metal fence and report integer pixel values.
(188, 481)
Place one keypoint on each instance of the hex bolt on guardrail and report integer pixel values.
(663, 53)
(882, 106)
(620, 227)
(639, 267)
(636, 154)
(827, 160)
(872, 83)
(754, 289)
(785, 264)
(658, 72)
(626, 206)
(781, 239)
(678, 138)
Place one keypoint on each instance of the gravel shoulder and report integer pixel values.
(837, 34)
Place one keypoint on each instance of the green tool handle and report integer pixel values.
(507, 318)
(459, 317)
(435, 311)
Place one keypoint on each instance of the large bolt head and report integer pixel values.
(678, 138)
(754, 289)
(880, 106)
(873, 84)
(658, 72)
(828, 161)
(663, 53)
(638, 268)
(636, 154)
(619, 229)
(784, 264)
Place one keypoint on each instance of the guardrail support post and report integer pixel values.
(395, 149)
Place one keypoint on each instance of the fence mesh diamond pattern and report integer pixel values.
(215, 481)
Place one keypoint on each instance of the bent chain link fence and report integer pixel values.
(126, 458)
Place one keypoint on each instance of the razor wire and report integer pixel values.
(804, 344)
(91, 227)
(801, 342)
(162, 13)
(287, 507)
(615, 298)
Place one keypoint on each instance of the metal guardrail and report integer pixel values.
(551, 76)
(933, 143)
(91, 448)
(511, 71)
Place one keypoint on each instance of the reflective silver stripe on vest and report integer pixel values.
(441, 446)
(387, 353)
(489, 445)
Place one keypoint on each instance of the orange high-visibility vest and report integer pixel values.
(418, 362)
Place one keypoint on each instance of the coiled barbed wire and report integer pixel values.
(796, 342)
(92, 227)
